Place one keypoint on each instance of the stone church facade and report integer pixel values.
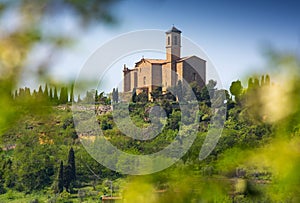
(148, 74)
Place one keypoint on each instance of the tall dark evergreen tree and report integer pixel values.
(134, 95)
(27, 92)
(250, 83)
(63, 99)
(78, 98)
(96, 96)
(46, 92)
(16, 94)
(262, 81)
(72, 93)
(256, 83)
(71, 163)
(114, 95)
(61, 177)
(179, 90)
(157, 94)
(34, 94)
(40, 92)
(55, 96)
(117, 95)
(211, 87)
(50, 94)
(267, 81)
(67, 177)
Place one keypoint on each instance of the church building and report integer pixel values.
(149, 74)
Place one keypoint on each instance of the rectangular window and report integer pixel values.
(175, 40)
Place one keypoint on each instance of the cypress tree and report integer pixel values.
(134, 95)
(27, 92)
(250, 83)
(50, 94)
(61, 177)
(179, 90)
(256, 83)
(78, 99)
(267, 81)
(61, 95)
(117, 95)
(16, 94)
(262, 81)
(114, 95)
(40, 92)
(67, 177)
(72, 93)
(55, 97)
(71, 163)
(34, 94)
(46, 93)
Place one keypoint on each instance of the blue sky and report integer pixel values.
(231, 33)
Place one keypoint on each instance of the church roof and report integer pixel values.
(156, 61)
(163, 61)
(152, 61)
(173, 29)
(188, 57)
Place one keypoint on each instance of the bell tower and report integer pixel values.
(173, 44)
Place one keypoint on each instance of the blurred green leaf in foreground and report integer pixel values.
(26, 25)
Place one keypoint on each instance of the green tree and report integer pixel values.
(250, 83)
(96, 96)
(55, 96)
(236, 89)
(179, 90)
(256, 83)
(46, 91)
(156, 94)
(72, 93)
(50, 94)
(167, 106)
(174, 121)
(117, 95)
(67, 177)
(133, 99)
(71, 163)
(196, 89)
(40, 92)
(89, 97)
(63, 99)
(267, 81)
(78, 98)
(262, 80)
(142, 97)
(61, 177)
(36, 172)
(211, 87)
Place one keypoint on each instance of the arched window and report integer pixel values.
(175, 40)
(144, 80)
(168, 40)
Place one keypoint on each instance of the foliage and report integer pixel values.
(60, 184)
(256, 159)
(236, 89)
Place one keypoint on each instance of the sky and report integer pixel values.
(232, 34)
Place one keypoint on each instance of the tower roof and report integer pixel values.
(173, 29)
